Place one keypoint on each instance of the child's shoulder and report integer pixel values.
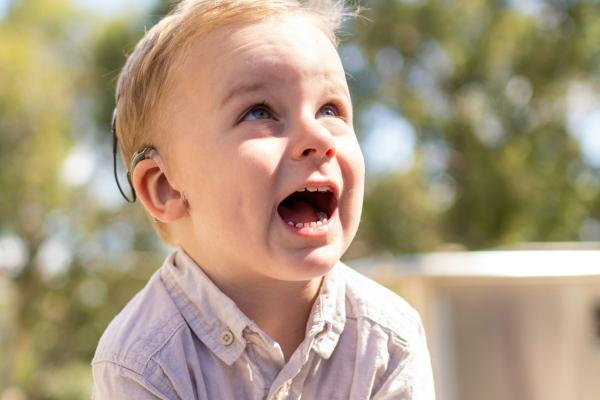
(367, 299)
(141, 329)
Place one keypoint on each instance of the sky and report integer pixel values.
(3, 7)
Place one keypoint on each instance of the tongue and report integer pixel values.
(298, 211)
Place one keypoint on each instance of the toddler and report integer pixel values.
(235, 120)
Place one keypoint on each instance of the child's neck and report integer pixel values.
(283, 316)
(280, 309)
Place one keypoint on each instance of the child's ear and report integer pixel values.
(152, 187)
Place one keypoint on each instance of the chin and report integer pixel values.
(304, 266)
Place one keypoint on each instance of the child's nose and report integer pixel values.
(313, 140)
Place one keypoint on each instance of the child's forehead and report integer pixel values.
(296, 29)
(271, 47)
(259, 59)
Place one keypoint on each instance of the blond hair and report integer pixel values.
(145, 78)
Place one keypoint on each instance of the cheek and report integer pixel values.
(353, 170)
(352, 164)
(253, 170)
(256, 161)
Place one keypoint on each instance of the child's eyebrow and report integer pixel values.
(248, 86)
(243, 88)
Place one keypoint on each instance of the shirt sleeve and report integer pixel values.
(411, 379)
(112, 381)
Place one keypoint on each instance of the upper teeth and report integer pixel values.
(315, 189)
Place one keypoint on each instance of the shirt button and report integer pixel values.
(227, 338)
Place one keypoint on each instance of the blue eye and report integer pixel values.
(257, 113)
(329, 111)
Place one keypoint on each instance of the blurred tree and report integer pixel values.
(65, 246)
(34, 140)
(485, 85)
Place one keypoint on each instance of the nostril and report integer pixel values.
(329, 153)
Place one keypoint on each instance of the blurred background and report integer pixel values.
(480, 124)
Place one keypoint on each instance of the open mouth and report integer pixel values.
(308, 207)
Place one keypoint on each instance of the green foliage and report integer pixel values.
(55, 77)
(486, 84)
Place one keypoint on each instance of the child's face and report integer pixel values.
(257, 112)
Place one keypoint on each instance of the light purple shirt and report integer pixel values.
(182, 338)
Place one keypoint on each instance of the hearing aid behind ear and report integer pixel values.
(140, 155)
(115, 146)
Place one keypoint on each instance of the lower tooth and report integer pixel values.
(321, 215)
(314, 224)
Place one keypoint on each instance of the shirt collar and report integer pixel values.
(212, 315)
(328, 317)
(209, 312)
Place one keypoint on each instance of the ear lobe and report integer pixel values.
(160, 199)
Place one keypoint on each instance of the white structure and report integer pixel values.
(509, 324)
